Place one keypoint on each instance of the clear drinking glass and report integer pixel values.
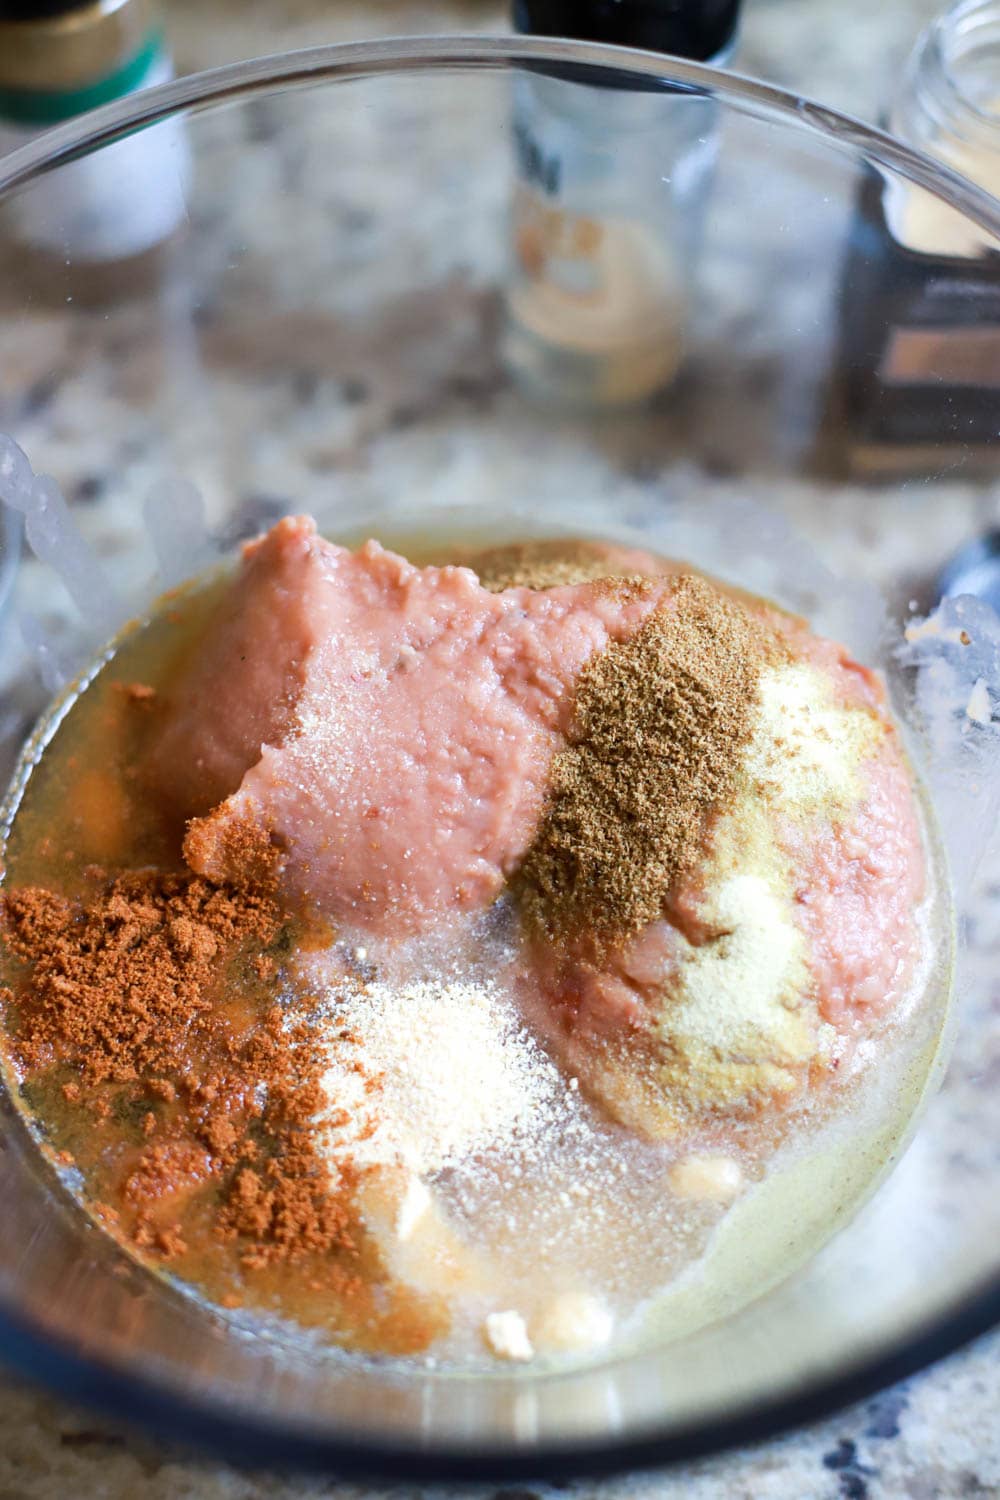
(325, 335)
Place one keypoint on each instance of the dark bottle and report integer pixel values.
(918, 382)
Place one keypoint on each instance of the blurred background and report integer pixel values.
(846, 53)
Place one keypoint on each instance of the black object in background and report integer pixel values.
(917, 379)
(698, 29)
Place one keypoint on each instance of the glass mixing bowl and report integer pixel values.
(326, 332)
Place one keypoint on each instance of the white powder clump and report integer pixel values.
(707, 1178)
(426, 1074)
(506, 1334)
(741, 1014)
(806, 748)
(572, 1323)
(413, 1206)
(737, 991)
(953, 650)
(979, 708)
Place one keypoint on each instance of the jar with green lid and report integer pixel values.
(59, 58)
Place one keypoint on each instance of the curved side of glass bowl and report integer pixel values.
(251, 1440)
(343, 61)
(248, 1436)
(10, 552)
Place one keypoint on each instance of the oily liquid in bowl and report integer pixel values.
(572, 1221)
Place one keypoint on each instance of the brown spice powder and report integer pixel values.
(116, 985)
(659, 725)
(221, 848)
(123, 989)
(540, 565)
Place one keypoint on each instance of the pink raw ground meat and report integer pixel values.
(390, 729)
(393, 725)
(240, 691)
(858, 886)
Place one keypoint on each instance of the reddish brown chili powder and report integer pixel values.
(123, 990)
(116, 984)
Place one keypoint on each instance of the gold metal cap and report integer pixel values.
(75, 49)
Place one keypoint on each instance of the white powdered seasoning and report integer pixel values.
(746, 995)
(427, 1073)
(806, 747)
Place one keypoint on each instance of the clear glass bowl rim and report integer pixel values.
(340, 62)
(228, 1432)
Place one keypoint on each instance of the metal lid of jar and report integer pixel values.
(53, 45)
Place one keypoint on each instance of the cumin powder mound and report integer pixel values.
(540, 565)
(659, 725)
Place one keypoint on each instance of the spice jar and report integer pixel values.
(948, 104)
(59, 58)
(608, 202)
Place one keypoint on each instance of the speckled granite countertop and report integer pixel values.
(935, 1437)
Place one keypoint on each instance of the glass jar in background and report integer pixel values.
(58, 59)
(918, 381)
(948, 104)
(612, 181)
